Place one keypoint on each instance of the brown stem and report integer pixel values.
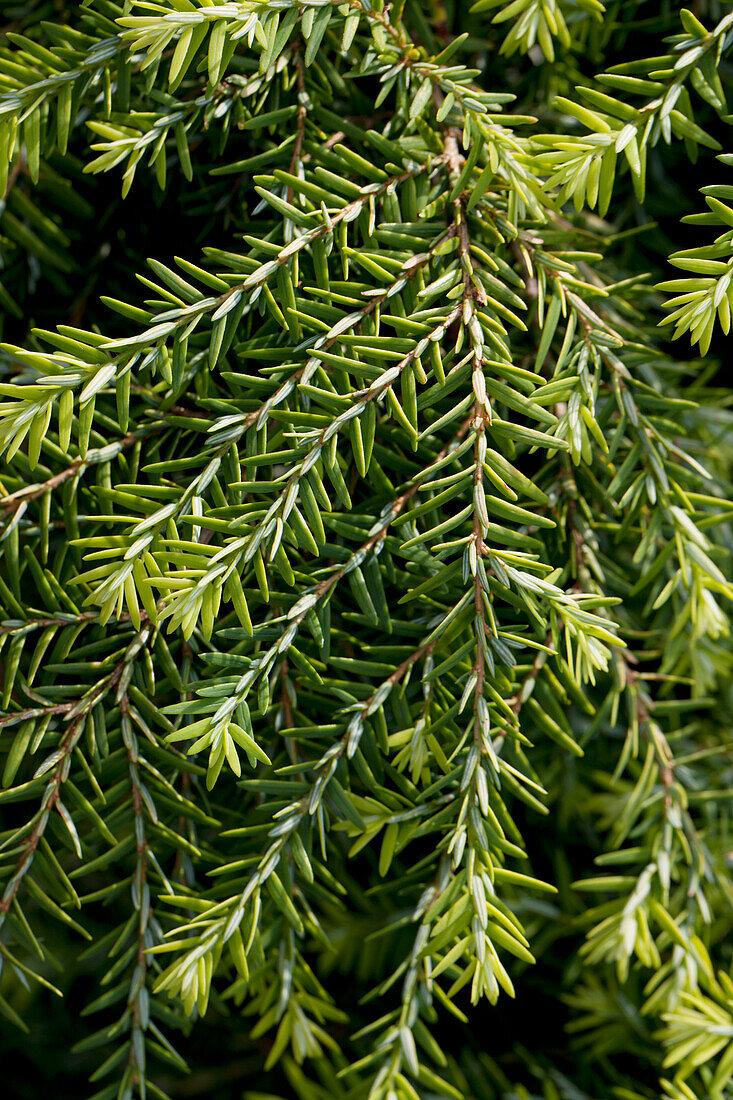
(141, 867)
(52, 791)
(300, 122)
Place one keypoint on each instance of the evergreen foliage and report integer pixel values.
(365, 589)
